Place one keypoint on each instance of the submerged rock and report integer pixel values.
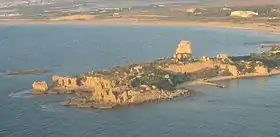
(27, 72)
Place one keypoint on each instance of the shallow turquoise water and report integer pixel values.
(248, 108)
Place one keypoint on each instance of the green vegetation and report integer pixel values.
(153, 76)
(273, 53)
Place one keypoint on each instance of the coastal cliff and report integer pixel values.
(159, 79)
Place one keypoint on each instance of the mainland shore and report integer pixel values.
(260, 27)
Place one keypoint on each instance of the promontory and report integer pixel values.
(158, 79)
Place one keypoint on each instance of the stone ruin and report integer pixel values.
(65, 82)
(40, 87)
(183, 51)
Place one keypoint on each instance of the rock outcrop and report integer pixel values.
(224, 58)
(231, 68)
(40, 87)
(129, 97)
(103, 89)
(113, 99)
(261, 70)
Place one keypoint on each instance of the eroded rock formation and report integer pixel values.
(40, 87)
(111, 99)
(231, 68)
(261, 70)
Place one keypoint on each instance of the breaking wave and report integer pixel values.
(52, 107)
(22, 94)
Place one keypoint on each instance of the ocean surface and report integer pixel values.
(247, 108)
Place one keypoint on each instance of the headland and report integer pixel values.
(160, 79)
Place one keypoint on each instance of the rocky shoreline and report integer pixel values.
(157, 80)
(150, 96)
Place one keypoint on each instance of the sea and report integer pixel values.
(246, 108)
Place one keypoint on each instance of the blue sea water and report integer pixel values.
(247, 108)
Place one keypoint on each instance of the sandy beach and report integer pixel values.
(261, 27)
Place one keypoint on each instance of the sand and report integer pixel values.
(261, 27)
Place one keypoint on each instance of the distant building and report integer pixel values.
(244, 14)
(9, 14)
(225, 9)
(192, 10)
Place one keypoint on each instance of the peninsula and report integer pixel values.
(160, 79)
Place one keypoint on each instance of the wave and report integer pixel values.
(22, 94)
(52, 107)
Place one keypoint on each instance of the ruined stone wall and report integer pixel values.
(190, 67)
(197, 66)
(91, 81)
(65, 82)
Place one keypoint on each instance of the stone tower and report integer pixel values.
(183, 50)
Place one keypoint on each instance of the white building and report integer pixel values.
(244, 14)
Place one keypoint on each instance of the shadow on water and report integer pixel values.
(262, 81)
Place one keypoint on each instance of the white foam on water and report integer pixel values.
(52, 107)
(22, 94)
